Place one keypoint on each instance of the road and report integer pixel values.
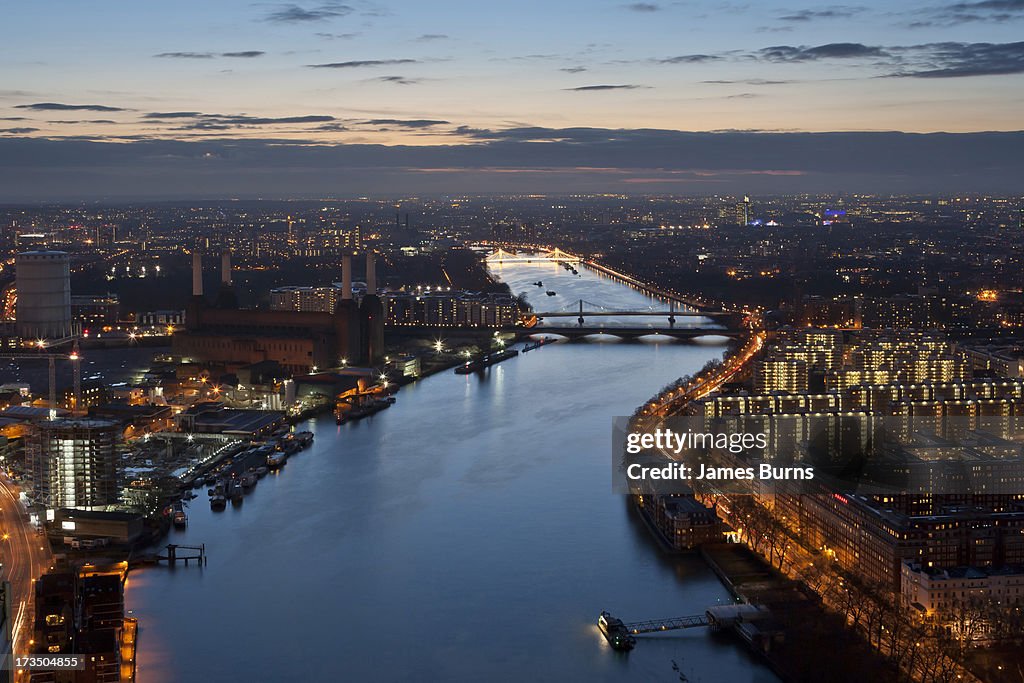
(26, 556)
(671, 403)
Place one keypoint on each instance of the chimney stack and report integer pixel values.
(197, 273)
(371, 273)
(346, 276)
(225, 267)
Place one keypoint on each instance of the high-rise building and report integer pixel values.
(743, 211)
(309, 299)
(44, 295)
(450, 309)
(74, 463)
(779, 373)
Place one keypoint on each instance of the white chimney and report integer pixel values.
(197, 273)
(371, 273)
(346, 276)
(225, 268)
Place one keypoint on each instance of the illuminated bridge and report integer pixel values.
(586, 309)
(723, 324)
(554, 255)
(577, 333)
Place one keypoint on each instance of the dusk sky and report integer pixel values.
(208, 98)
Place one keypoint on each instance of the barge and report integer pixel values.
(485, 361)
(615, 632)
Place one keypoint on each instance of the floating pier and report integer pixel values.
(658, 625)
(193, 553)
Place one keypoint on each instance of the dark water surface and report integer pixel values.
(469, 533)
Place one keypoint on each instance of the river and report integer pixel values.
(468, 533)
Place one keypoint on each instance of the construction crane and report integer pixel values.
(74, 356)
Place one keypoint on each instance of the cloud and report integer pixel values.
(689, 59)
(573, 69)
(185, 55)
(929, 60)
(335, 127)
(294, 14)
(959, 60)
(971, 12)
(56, 106)
(406, 123)
(748, 81)
(838, 12)
(397, 80)
(100, 121)
(338, 36)
(171, 115)
(200, 121)
(590, 88)
(431, 37)
(245, 54)
(994, 5)
(547, 160)
(18, 131)
(788, 53)
(207, 125)
(359, 63)
(259, 120)
(643, 7)
(988, 6)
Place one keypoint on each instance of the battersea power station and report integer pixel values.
(218, 332)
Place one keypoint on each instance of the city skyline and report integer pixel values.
(370, 99)
(450, 368)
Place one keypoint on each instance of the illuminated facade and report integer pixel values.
(779, 373)
(74, 463)
(450, 309)
(872, 537)
(307, 299)
(944, 591)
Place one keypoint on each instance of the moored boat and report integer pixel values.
(615, 632)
